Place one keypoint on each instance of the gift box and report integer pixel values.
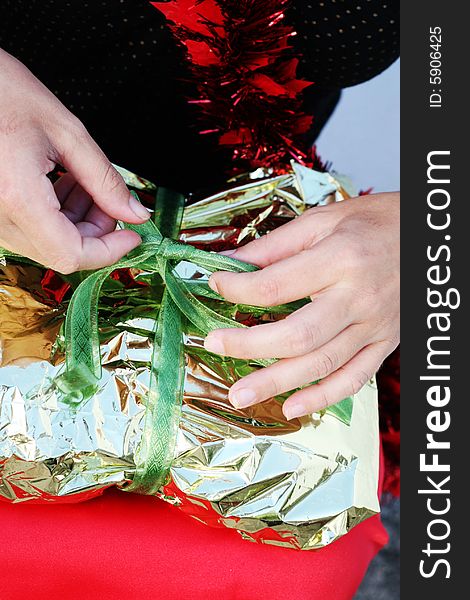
(104, 380)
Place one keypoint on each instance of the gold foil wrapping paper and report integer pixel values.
(300, 484)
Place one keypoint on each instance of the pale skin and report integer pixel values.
(69, 226)
(345, 256)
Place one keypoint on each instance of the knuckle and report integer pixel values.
(323, 400)
(326, 363)
(269, 291)
(316, 224)
(272, 385)
(358, 253)
(111, 180)
(358, 381)
(353, 251)
(302, 338)
(315, 212)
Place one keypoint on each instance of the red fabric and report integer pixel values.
(129, 547)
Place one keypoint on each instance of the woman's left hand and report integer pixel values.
(345, 256)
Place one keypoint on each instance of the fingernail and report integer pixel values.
(293, 411)
(228, 252)
(138, 209)
(214, 344)
(242, 397)
(213, 285)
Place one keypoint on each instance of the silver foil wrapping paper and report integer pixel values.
(301, 484)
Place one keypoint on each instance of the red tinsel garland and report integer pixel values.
(388, 381)
(242, 67)
(250, 98)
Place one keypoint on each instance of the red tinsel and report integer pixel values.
(388, 381)
(54, 287)
(242, 68)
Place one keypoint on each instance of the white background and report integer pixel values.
(362, 137)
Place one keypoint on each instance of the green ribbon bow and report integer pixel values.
(158, 254)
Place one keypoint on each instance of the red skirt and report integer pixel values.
(122, 546)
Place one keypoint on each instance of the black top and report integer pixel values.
(115, 65)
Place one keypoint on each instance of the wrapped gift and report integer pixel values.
(104, 380)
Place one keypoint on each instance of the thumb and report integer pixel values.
(85, 160)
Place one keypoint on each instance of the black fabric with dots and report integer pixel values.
(115, 65)
(345, 42)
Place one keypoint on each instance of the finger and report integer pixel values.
(63, 186)
(83, 158)
(78, 207)
(346, 381)
(96, 223)
(98, 252)
(76, 204)
(56, 241)
(291, 373)
(308, 328)
(289, 279)
(288, 240)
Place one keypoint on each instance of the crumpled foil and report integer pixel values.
(301, 483)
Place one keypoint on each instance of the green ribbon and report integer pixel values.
(159, 255)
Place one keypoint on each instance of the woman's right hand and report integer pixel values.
(68, 226)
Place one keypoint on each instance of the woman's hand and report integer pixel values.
(69, 226)
(344, 256)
